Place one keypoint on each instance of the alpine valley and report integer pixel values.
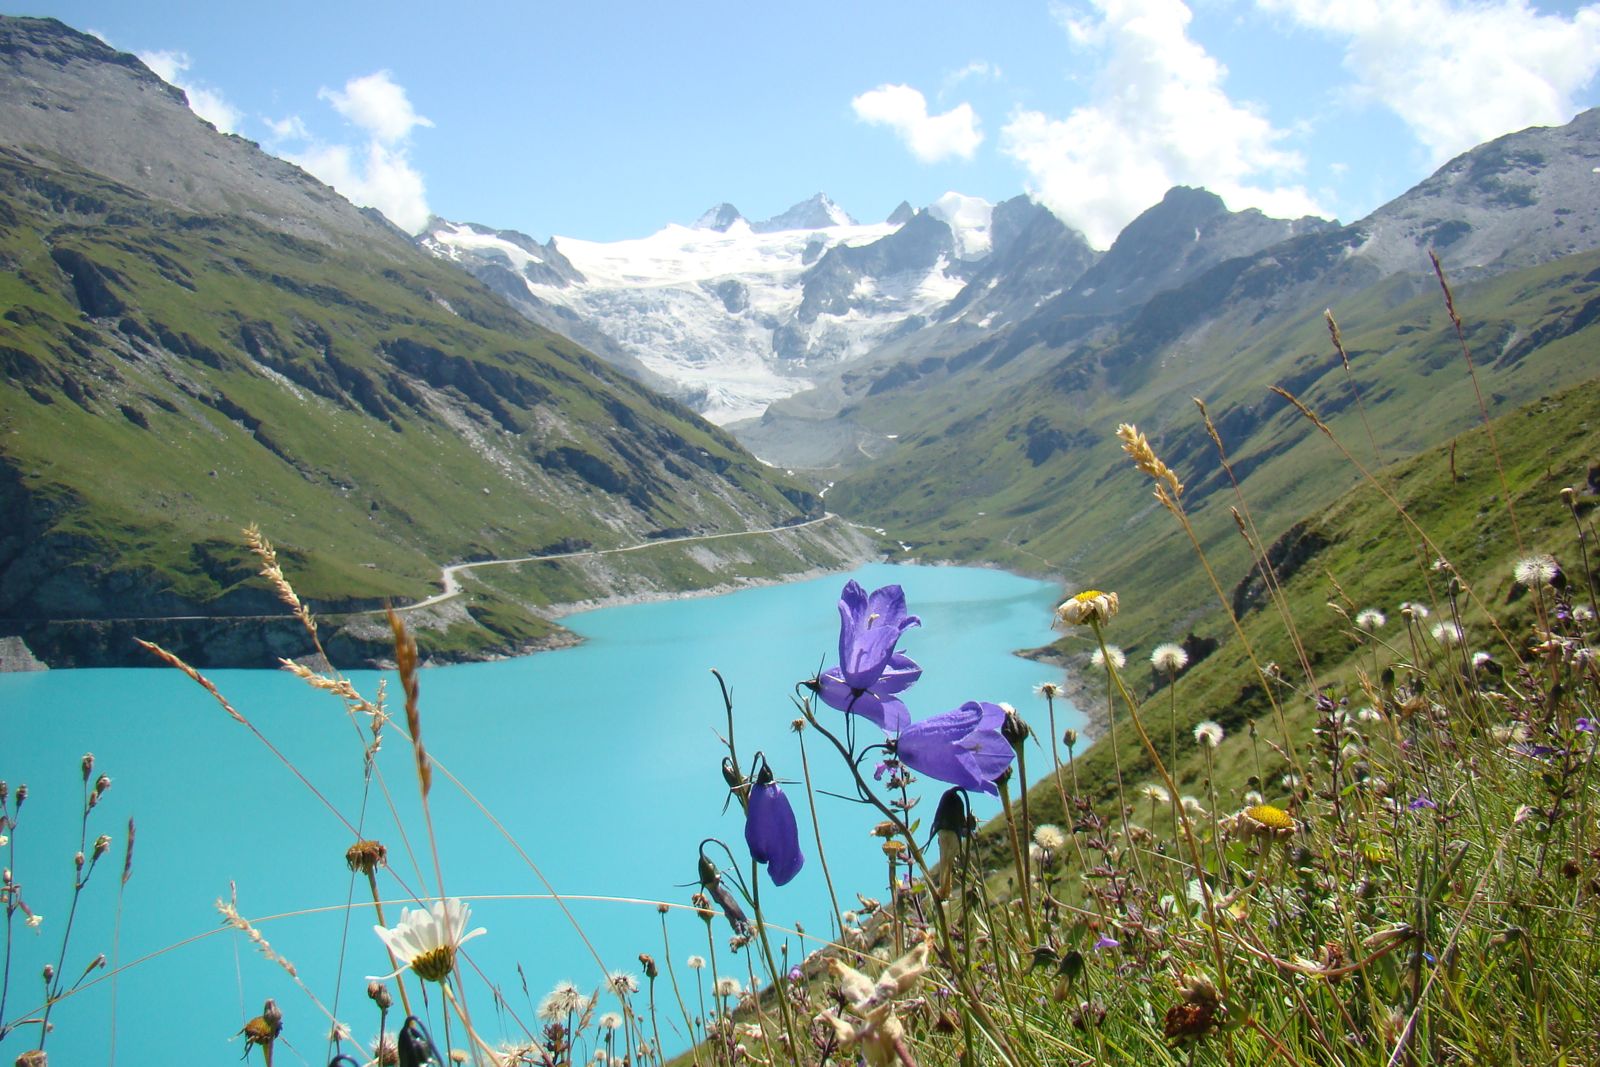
(198, 335)
(954, 375)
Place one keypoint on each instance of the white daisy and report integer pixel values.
(426, 941)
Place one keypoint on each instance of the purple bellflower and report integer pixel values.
(770, 829)
(880, 702)
(869, 626)
(963, 747)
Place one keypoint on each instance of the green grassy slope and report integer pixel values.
(168, 378)
(1360, 553)
(1037, 482)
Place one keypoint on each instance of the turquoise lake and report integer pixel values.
(602, 761)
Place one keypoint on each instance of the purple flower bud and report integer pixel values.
(770, 829)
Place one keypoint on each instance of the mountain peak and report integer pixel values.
(900, 215)
(817, 213)
(69, 95)
(719, 218)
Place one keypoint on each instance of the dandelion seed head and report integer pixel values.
(1208, 733)
(1050, 837)
(385, 1049)
(565, 998)
(1370, 619)
(697, 963)
(728, 987)
(610, 1021)
(1510, 733)
(1169, 658)
(1119, 659)
(1531, 571)
(1048, 690)
(1448, 634)
(1253, 798)
(622, 983)
(1412, 610)
(1191, 804)
(1155, 793)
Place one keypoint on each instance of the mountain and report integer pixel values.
(198, 336)
(729, 315)
(1003, 449)
(71, 97)
(1188, 231)
(817, 213)
(718, 218)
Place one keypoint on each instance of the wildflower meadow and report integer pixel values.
(1362, 827)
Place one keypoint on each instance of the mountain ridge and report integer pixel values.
(169, 375)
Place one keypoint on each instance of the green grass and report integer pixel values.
(172, 378)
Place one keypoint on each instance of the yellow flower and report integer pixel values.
(1270, 817)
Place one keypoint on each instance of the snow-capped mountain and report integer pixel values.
(733, 314)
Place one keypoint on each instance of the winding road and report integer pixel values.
(448, 573)
(452, 587)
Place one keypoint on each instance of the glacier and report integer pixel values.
(733, 315)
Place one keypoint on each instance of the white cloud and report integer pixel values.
(374, 176)
(980, 69)
(929, 137)
(378, 173)
(1460, 73)
(204, 101)
(1158, 116)
(377, 104)
(289, 128)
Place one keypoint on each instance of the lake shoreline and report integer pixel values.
(259, 644)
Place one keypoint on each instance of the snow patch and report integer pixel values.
(968, 218)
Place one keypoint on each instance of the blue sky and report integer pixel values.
(609, 120)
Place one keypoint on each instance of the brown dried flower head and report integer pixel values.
(366, 856)
(1197, 1014)
(1089, 607)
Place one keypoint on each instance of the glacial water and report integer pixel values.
(601, 762)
